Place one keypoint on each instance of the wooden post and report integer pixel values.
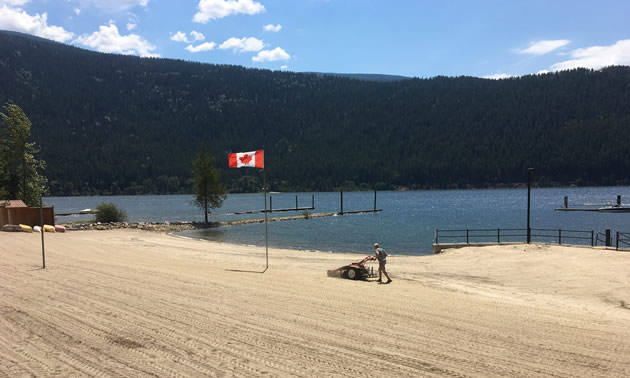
(566, 202)
(270, 205)
(313, 201)
(341, 193)
(375, 201)
(296, 203)
(618, 200)
(41, 221)
(608, 242)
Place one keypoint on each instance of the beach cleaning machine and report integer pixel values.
(354, 271)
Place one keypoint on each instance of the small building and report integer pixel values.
(16, 212)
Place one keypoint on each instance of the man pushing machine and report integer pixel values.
(381, 256)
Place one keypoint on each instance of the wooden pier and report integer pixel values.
(312, 207)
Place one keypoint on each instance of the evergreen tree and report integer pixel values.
(208, 188)
(21, 178)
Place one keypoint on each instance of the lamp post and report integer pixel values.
(530, 172)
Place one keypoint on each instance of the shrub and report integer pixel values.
(107, 212)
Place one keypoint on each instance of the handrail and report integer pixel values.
(623, 238)
(501, 234)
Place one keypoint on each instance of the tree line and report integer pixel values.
(112, 124)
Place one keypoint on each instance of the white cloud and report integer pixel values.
(180, 37)
(214, 9)
(14, 3)
(542, 72)
(271, 55)
(206, 46)
(596, 57)
(107, 39)
(197, 36)
(118, 5)
(77, 11)
(131, 26)
(497, 76)
(543, 47)
(284, 67)
(243, 45)
(272, 28)
(16, 19)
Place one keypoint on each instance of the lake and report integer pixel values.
(405, 226)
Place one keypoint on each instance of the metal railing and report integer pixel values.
(512, 235)
(622, 240)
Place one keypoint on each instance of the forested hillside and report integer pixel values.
(122, 124)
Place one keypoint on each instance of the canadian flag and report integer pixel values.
(254, 159)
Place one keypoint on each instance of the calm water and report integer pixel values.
(405, 226)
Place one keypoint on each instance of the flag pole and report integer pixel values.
(266, 233)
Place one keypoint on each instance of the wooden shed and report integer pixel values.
(16, 212)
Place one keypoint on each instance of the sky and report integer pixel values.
(415, 38)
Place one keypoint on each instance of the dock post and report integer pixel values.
(296, 203)
(313, 201)
(341, 193)
(270, 204)
(375, 201)
(608, 242)
(559, 236)
(566, 202)
(618, 200)
(592, 238)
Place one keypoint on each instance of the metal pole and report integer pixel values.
(529, 190)
(266, 231)
(41, 221)
(617, 242)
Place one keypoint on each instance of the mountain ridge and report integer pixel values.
(115, 124)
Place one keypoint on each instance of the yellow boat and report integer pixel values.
(25, 228)
(49, 228)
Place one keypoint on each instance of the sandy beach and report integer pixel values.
(135, 303)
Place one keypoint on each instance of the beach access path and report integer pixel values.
(136, 303)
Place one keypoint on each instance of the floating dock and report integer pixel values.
(598, 207)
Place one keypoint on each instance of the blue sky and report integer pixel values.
(421, 38)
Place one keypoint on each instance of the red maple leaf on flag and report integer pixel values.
(245, 159)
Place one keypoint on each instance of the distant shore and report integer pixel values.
(136, 303)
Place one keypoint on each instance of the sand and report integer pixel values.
(137, 303)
